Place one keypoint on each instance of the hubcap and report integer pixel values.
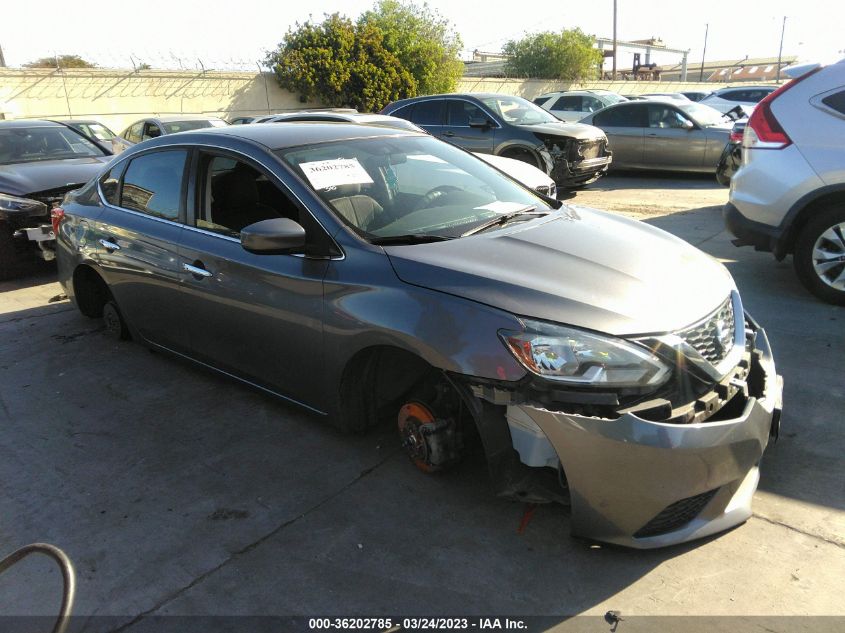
(829, 257)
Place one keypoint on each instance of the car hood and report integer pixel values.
(561, 128)
(579, 267)
(21, 179)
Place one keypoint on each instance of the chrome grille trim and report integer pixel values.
(713, 336)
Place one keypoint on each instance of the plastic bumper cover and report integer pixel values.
(627, 477)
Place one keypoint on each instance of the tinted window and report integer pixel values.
(403, 112)
(134, 133)
(153, 184)
(151, 130)
(591, 104)
(541, 100)
(836, 101)
(109, 183)
(635, 115)
(428, 113)
(460, 112)
(567, 104)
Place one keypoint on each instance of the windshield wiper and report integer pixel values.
(504, 218)
(410, 238)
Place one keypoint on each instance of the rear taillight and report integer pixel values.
(763, 130)
(736, 136)
(56, 217)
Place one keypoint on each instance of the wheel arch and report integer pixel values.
(88, 290)
(801, 213)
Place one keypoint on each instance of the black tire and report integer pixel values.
(821, 282)
(9, 260)
(115, 324)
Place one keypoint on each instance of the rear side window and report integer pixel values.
(428, 112)
(134, 133)
(567, 104)
(153, 184)
(635, 115)
(403, 113)
(836, 102)
(541, 100)
(110, 184)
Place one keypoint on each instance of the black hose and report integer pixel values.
(68, 576)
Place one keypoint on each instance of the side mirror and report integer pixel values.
(687, 124)
(273, 237)
(479, 121)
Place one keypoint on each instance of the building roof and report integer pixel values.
(732, 70)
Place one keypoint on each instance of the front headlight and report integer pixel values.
(583, 359)
(24, 205)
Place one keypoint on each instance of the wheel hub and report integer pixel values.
(829, 256)
(431, 443)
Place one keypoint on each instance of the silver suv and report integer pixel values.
(789, 194)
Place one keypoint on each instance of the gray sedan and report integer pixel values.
(374, 275)
(662, 134)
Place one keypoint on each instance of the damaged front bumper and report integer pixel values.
(646, 484)
(568, 169)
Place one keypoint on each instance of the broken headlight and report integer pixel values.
(583, 359)
(22, 205)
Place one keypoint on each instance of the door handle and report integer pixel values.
(196, 271)
(108, 245)
(448, 134)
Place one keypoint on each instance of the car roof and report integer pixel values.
(455, 95)
(21, 123)
(749, 87)
(184, 117)
(279, 135)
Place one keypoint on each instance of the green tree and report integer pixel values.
(340, 64)
(568, 55)
(422, 40)
(60, 61)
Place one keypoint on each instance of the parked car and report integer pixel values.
(574, 105)
(40, 161)
(448, 301)
(572, 154)
(663, 134)
(732, 154)
(696, 95)
(93, 130)
(159, 126)
(242, 120)
(788, 197)
(727, 99)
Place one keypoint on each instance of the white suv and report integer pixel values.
(574, 105)
(727, 99)
(789, 194)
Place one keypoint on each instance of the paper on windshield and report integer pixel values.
(323, 174)
(502, 206)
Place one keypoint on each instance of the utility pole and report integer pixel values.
(780, 50)
(701, 72)
(2, 59)
(613, 75)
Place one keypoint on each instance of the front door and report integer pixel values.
(457, 130)
(670, 145)
(258, 317)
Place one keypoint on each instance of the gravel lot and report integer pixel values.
(178, 492)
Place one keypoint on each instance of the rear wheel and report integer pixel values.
(115, 325)
(819, 256)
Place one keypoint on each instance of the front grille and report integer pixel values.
(713, 337)
(675, 516)
(53, 197)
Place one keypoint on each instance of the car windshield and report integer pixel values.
(704, 115)
(171, 127)
(96, 130)
(409, 186)
(519, 111)
(31, 144)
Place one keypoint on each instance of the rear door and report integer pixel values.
(668, 145)
(256, 316)
(138, 242)
(457, 130)
(625, 126)
(429, 115)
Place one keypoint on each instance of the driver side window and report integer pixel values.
(233, 194)
(665, 117)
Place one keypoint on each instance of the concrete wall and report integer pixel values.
(530, 88)
(119, 97)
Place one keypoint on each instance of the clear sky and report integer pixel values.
(229, 35)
